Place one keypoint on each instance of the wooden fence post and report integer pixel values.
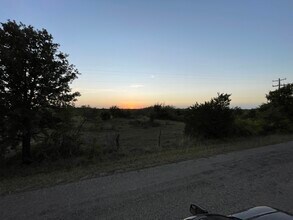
(117, 141)
(159, 140)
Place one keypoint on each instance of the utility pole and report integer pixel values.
(279, 85)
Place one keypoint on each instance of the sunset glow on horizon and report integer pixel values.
(134, 54)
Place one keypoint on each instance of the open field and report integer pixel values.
(136, 136)
(139, 147)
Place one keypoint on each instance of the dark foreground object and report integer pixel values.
(258, 213)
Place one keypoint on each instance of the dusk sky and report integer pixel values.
(138, 53)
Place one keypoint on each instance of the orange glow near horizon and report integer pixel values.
(124, 100)
(131, 105)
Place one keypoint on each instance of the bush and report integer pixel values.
(62, 141)
(105, 115)
(59, 145)
(88, 113)
(95, 150)
(144, 123)
(278, 111)
(248, 127)
(213, 119)
(116, 112)
(165, 112)
(276, 119)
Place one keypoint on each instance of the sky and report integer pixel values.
(134, 53)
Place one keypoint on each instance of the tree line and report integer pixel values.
(216, 119)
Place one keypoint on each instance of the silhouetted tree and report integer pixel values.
(213, 119)
(282, 97)
(115, 111)
(34, 80)
(278, 111)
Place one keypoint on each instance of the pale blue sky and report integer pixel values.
(137, 53)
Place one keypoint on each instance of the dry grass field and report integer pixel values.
(119, 145)
(135, 136)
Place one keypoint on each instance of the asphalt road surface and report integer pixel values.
(224, 184)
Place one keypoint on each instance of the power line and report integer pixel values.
(279, 85)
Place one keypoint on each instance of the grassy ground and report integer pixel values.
(139, 149)
(136, 136)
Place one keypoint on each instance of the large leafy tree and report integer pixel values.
(278, 111)
(35, 79)
(282, 97)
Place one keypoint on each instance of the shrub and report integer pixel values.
(278, 111)
(276, 119)
(95, 150)
(59, 145)
(144, 123)
(165, 112)
(62, 141)
(116, 112)
(105, 115)
(88, 113)
(248, 127)
(213, 119)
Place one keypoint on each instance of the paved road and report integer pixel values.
(223, 183)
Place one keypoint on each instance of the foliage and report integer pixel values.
(160, 111)
(88, 113)
(213, 119)
(282, 97)
(116, 112)
(95, 150)
(278, 111)
(144, 123)
(275, 116)
(105, 115)
(34, 81)
(63, 141)
(276, 119)
(248, 127)
(59, 144)
(166, 112)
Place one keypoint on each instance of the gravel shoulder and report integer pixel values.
(224, 183)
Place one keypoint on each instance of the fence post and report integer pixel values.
(159, 140)
(117, 141)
